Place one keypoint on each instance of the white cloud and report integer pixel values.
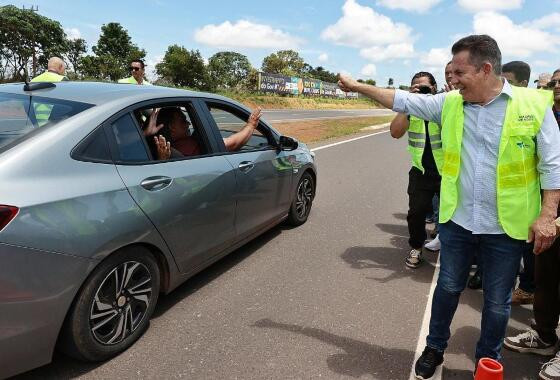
(73, 33)
(323, 57)
(514, 40)
(245, 34)
(362, 27)
(549, 21)
(385, 53)
(369, 70)
(541, 63)
(436, 58)
(489, 5)
(409, 5)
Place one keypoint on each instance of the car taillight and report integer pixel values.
(7, 213)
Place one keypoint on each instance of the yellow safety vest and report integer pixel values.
(131, 80)
(42, 110)
(517, 179)
(417, 142)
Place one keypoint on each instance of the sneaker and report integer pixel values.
(521, 297)
(427, 363)
(551, 369)
(414, 258)
(434, 245)
(475, 282)
(530, 342)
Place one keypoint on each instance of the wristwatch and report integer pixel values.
(557, 222)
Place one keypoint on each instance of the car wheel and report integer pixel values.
(303, 199)
(113, 307)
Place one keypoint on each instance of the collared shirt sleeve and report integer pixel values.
(548, 151)
(425, 107)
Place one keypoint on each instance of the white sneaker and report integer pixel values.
(433, 245)
(551, 369)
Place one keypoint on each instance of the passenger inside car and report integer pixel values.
(174, 138)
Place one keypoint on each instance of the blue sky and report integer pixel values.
(366, 38)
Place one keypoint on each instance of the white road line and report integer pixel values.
(425, 327)
(347, 141)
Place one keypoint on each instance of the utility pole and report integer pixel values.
(34, 64)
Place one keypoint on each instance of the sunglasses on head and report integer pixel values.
(552, 83)
(135, 68)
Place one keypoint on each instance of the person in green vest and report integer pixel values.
(56, 70)
(424, 146)
(500, 149)
(137, 70)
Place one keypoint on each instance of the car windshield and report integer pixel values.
(22, 114)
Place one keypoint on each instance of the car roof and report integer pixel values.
(98, 93)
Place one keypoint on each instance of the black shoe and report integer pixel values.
(475, 281)
(427, 363)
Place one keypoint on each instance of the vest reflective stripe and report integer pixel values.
(417, 142)
(131, 80)
(517, 179)
(47, 76)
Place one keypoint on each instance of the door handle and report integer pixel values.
(156, 183)
(246, 166)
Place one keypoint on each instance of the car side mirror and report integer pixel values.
(287, 143)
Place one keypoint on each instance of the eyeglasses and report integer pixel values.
(552, 83)
(135, 68)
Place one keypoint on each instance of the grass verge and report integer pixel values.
(317, 130)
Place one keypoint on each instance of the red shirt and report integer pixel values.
(188, 146)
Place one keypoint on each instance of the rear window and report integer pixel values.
(21, 114)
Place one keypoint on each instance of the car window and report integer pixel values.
(130, 146)
(230, 122)
(179, 126)
(22, 114)
(93, 148)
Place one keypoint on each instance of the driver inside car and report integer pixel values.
(175, 139)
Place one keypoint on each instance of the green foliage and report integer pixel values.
(76, 49)
(390, 82)
(115, 50)
(183, 68)
(320, 73)
(286, 62)
(228, 69)
(24, 32)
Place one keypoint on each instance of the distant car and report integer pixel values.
(93, 227)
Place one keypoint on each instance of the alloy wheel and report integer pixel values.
(304, 197)
(120, 302)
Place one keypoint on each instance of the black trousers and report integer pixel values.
(421, 190)
(546, 306)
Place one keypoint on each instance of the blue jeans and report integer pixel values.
(500, 256)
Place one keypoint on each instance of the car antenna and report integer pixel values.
(35, 86)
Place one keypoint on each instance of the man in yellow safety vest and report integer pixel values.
(500, 149)
(56, 70)
(137, 70)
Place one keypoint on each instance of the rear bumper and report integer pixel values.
(36, 291)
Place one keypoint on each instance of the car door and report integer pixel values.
(262, 172)
(190, 200)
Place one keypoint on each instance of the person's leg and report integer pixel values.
(546, 307)
(527, 277)
(419, 203)
(457, 247)
(500, 256)
(435, 206)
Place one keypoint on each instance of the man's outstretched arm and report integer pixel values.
(384, 96)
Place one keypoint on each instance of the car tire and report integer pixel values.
(303, 200)
(113, 307)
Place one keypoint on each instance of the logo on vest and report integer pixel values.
(522, 145)
(526, 118)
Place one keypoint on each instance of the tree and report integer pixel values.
(390, 82)
(76, 48)
(287, 62)
(115, 50)
(228, 69)
(24, 35)
(320, 73)
(183, 68)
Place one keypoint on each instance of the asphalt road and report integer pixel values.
(331, 299)
(297, 115)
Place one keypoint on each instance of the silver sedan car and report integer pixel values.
(95, 224)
